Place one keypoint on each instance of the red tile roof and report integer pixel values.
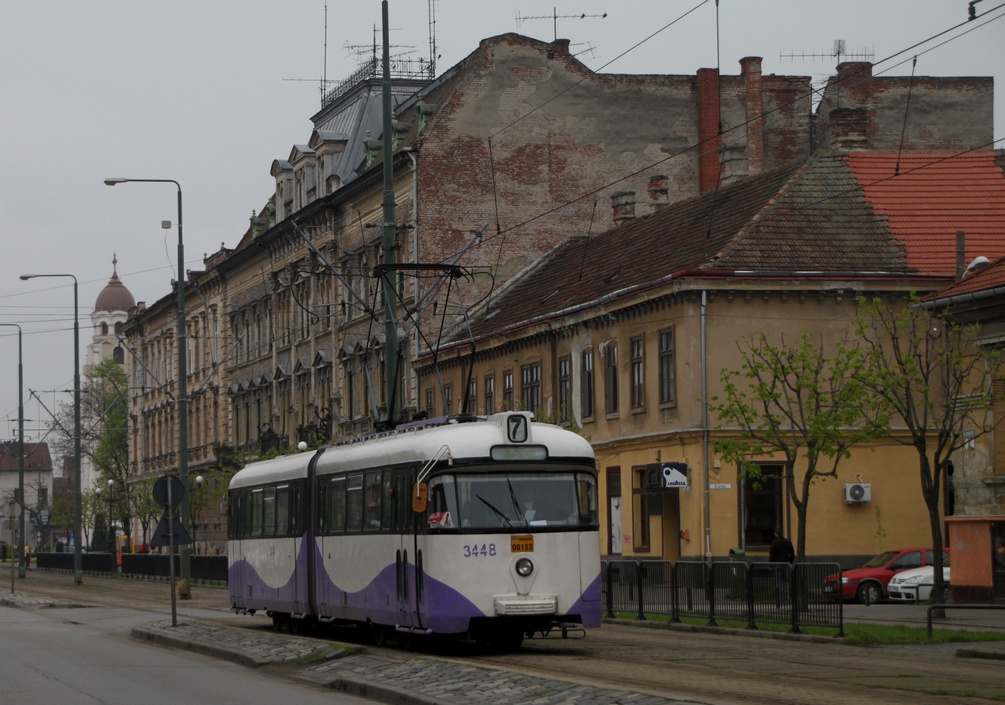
(36, 456)
(992, 277)
(935, 195)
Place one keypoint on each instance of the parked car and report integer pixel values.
(916, 585)
(869, 583)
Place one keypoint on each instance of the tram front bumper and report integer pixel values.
(518, 605)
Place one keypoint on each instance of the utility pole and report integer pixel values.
(391, 357)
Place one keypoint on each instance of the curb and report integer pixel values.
(981, 653)
(381, 692)
(234, 655)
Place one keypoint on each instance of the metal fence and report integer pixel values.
(750, 593)
(205, 569)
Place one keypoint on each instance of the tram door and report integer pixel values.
(408, 551)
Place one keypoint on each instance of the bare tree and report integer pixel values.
(934, 375)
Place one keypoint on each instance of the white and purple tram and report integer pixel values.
(483, 528)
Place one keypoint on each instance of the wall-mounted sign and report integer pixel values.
(720, 487)
(674, 475)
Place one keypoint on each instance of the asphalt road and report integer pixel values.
(83, 657)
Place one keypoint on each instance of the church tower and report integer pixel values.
(110, 313)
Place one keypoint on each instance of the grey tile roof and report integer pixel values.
(810, 217)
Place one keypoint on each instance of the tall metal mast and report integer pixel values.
(391, 357)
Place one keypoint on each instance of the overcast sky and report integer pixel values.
(209, 92)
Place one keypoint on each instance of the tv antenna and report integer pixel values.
(839, 53)
(554, 17)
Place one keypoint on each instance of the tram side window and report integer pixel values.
(296, 509)
(402, 501)
(283, 510)
(269, 512)
(336, 505)
(389, 500)
(234, 516)
(587, 496)
(354, 503)
(324, 509)
(372, 493)
(257, 499)
(441, 508)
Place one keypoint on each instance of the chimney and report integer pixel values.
(559, 47)
(961, 254)
(659, 191)
(854, 71)
(623, 205)
(849, 129)
(734, 162)
(753, 81)
(709, 136)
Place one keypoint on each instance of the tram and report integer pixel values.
(482, 528)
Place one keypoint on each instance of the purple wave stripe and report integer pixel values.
(289, 597)
(589, 605)
(444, 609)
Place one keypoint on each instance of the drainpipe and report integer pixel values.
(704, 421)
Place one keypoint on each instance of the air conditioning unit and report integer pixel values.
(857, 492)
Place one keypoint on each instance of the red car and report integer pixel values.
(869, 583)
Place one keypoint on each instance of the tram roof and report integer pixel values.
(464, 439)
(472, 439)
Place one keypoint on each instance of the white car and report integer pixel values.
(915, 585)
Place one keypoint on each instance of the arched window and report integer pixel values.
(119, 355)
(104, 328)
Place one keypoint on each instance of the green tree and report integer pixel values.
(796, 404)
(61, 514)
(109, 384)
(932, 374)
(143, 508)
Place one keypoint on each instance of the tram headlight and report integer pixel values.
(524, 567)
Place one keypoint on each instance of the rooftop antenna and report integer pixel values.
(554, 17)
(839, 52)
(433, 56)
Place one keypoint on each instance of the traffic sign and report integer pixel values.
(161, 491)
(162, 534)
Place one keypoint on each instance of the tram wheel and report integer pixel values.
(406, 640)
(506, 641)
(380, 634)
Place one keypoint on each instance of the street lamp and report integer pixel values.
(111, 524)
(78, 573)
(198, 488)
(20, 442)
(184, 551)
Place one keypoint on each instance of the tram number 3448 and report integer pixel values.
(479, 551)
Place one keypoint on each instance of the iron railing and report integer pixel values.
(751, 593)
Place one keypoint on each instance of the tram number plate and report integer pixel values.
(521, 544)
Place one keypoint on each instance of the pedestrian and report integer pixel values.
(3, 553)
(781, 552)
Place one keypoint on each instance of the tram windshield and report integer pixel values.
(501, 502)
